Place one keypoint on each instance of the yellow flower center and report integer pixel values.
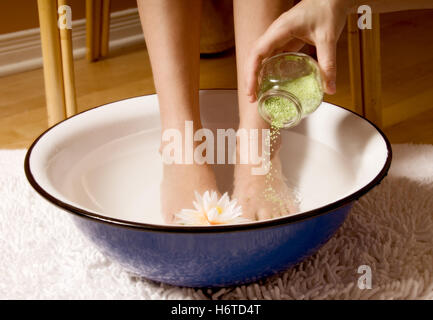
(219, 210)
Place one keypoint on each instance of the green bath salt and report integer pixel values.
(289, 88)
(307, 91)
(279, 110)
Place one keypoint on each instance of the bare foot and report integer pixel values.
(179, 183)
(263, 196)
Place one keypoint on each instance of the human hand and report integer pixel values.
(316, 22)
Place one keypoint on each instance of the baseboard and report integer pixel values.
(21, 51)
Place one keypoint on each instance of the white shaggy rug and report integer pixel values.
(390, 229)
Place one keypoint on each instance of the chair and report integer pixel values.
(365, 68)
(98, 28)
(58, 57)
(363, 46)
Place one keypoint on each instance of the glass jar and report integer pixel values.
(289, 88)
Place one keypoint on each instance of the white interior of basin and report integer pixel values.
(106, 160)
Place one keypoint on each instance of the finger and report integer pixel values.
(327, 57)
(275, 37)
(293, 45)
(259, 52)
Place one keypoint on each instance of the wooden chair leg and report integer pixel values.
(371, 70)
(365, 69)
(105, 27)
(52, 60)
(355, 63)
(93, 29)
(97, 28)
(68, 67)
(89, 30)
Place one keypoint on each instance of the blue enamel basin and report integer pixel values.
(91, 166)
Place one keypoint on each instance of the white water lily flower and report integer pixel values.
(209, 210)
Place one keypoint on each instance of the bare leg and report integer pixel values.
(252, 18)
(172, 33)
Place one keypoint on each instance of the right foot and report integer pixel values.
(181, 181)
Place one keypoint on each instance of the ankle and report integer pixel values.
(269, 144)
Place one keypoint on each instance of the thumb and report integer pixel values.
(327, 57)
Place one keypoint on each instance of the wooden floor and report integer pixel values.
(407, 74)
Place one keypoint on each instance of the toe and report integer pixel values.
(264, 213)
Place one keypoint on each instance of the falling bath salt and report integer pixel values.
(289, 88)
